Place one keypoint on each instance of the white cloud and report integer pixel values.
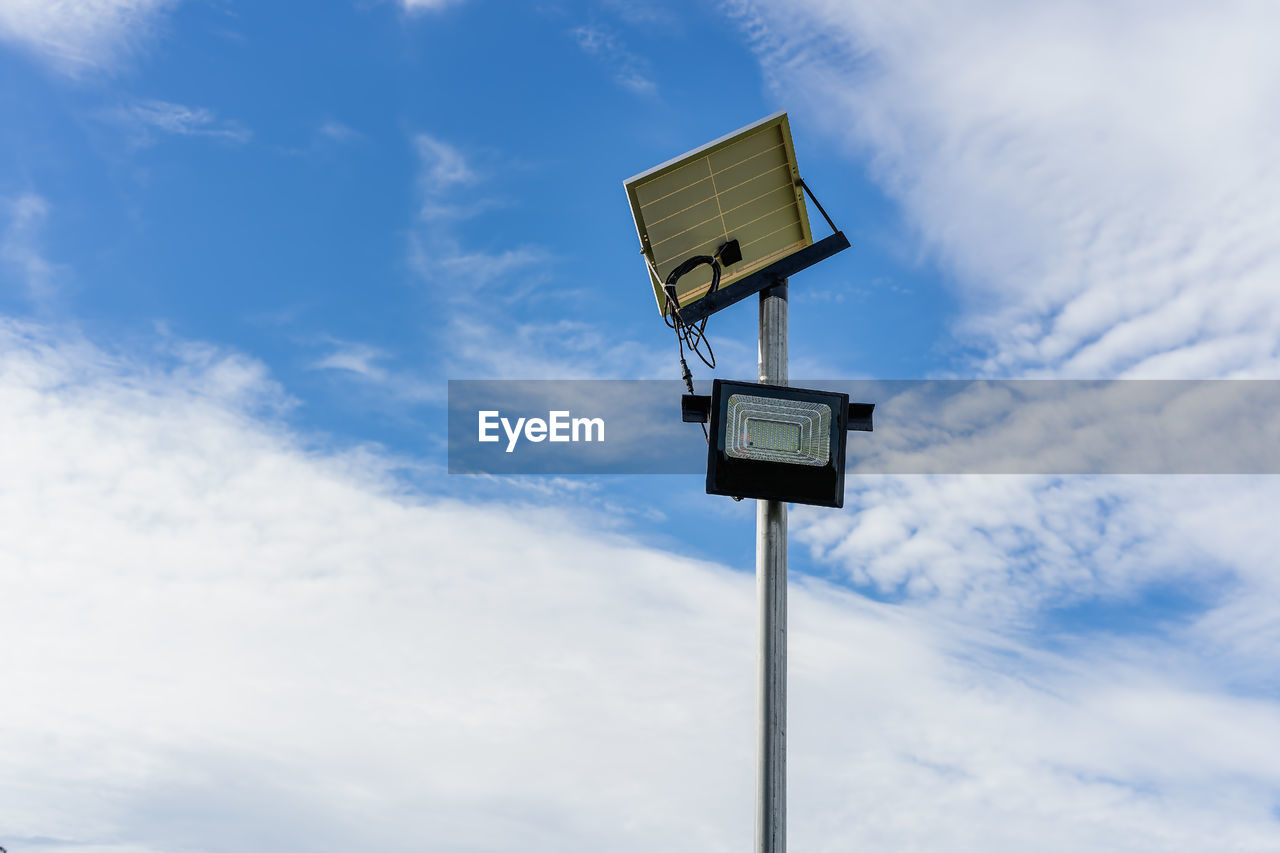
(442, 165)
(436, 250)
(145, 117)
(1013, 548)
(77, 35)
(354, 358)
(551, 349)
(367, 365)
(220, 640)
(629, 71)
(21, 249)
(1071, 427)
(496, 297)
(416, 6)
(337, 132)
(1099, 185)
(1100, 182)
(638, 13)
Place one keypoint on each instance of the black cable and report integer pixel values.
(692, 335)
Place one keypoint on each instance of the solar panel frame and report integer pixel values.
(746, 172)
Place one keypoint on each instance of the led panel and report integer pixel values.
(744, 187)
(776, 443)
(797, 432)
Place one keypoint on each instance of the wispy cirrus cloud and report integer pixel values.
(145, 119)
(629, 70)
(481, 295)
(21, 247)
(75, 36)
(421, 6)
(371, 367)
(643, 13)
(499, 320)
(355, 358)
(511, 348)
(442, 166)
(446, 181)
(1099, 185)
(336, 132)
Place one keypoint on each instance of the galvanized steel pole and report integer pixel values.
(771, 589)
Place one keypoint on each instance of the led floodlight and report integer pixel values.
(775, 442)
(769, 429)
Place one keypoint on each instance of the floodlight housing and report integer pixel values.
(774, 442)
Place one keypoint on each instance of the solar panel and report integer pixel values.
(744, 187)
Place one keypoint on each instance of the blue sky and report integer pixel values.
(242, 247)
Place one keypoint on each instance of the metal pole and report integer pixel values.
(771, 589)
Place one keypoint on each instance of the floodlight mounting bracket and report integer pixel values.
(696, 409)
(764, 278)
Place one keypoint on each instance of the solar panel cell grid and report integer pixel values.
(741, 187)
